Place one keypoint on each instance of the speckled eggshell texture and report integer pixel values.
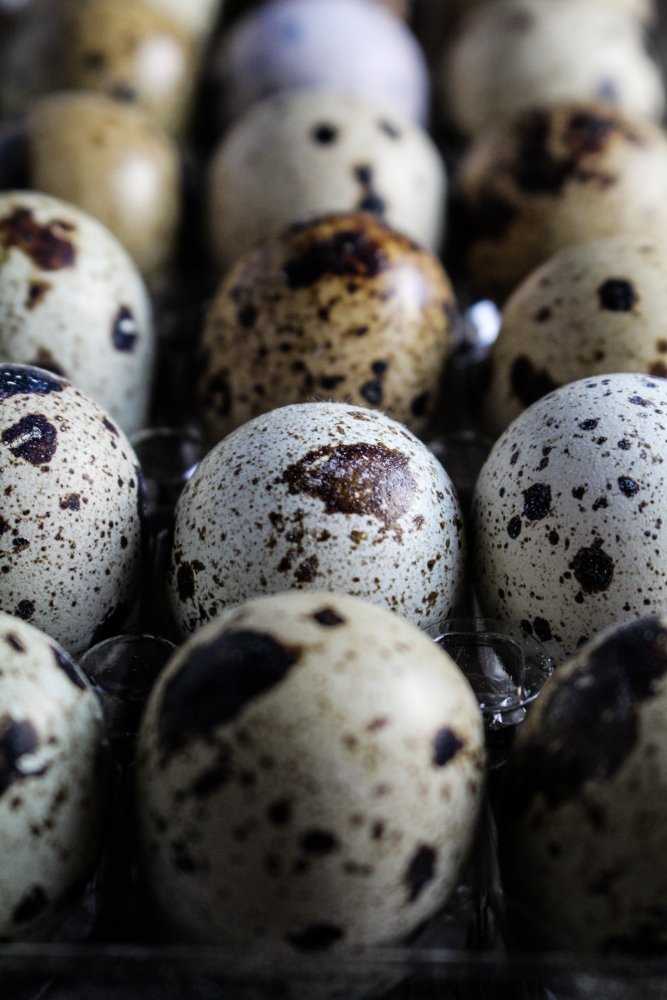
(112, 161)
(552, 178)
(305, 154)
(595, 308)
(343, 309)
(309, 773)
(644, 10)
(519, 54)
(70, 532)
(351, 46)
(318, 496)
(569, 512)
(52, 772)
(73, 302)
(586, 825)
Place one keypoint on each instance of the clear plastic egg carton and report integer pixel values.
(109, 948)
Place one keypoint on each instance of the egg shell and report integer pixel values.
(519, 54)
(73, 302)
(351, 46)
(318, 496)
(302, 155)
(112, 161)
(197, 16)
(586, 826)
(70, 531)
(52, 771)
(569, 512)
(552, 178)
(643, 10)
(309, 772)
(594, 308)
(343, 309)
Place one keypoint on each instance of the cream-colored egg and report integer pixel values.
(51, 781)
(112, 161)
(197, 16)
(309, 774)
(594, 308)
(73, 302)
(569, 512)
(518, 54)
(342, 309)
(304, 154)
(552, 178)
(318, 496)
(586, 824)
(70, 532)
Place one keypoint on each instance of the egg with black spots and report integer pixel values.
(569, 511)
(73, 302)
(519, 54)
(318, 496)
(594, 308)
(114, 162)
(70, 527)
(52, 781)
(350, 46)
(342, 309)
(308, 153)
(551, 178)
(309, 774)
(585, 825)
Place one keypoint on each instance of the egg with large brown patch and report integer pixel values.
(52, 771)
(307, 153)
(309, 775)
(73, 302)
(70, 528)
(569, 512)
(552, 178)
(594, 308)
(585, 826)
(342, 309)
(318, 496)
(519, 54)
(112, 161)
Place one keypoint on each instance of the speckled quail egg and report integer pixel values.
(594, 308)
(586, 824)
(318, 496)
(115, 163)
(70, 529)
(51, 781)
(72, 301)
(643, 10)
(518, 54)
(298, 156)
(352, 46)
(569, 511)
(309, 773)
(124, 48)
(553, 178)
(344, 308)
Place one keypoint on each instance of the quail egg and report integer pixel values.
(51, 781)
(298, 156)
(594, 308)
(72, 301)
(318, 496)
(586, 824)
(124, 48)
(552, 178)
(112, 161)
(643, 10)
(197, 16)
(344, 308)
(352, 46)
(70, 528)
(569, 510)
(309, 773)
(518, 54)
